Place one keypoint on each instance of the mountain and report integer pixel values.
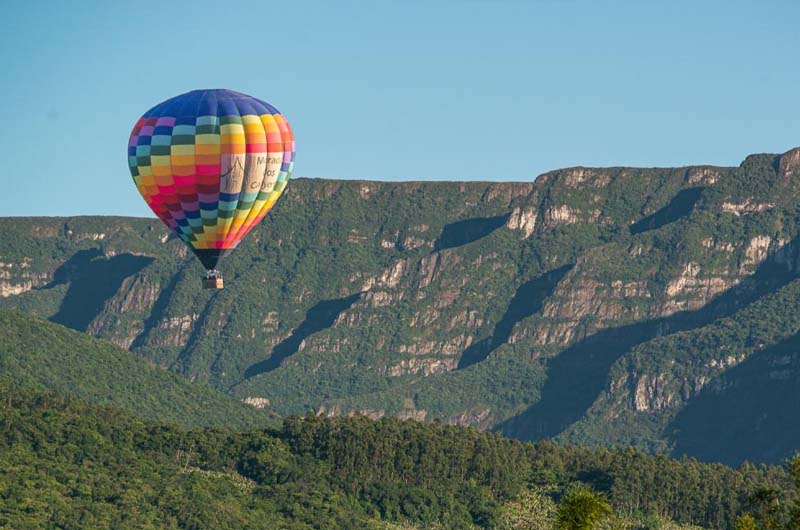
(68, 464)
(611, 306)
(40, 355)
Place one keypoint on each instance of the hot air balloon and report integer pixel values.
(211, 164)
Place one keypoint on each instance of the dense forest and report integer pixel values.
(72, 465)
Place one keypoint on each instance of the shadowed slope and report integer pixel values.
(319, 317)
(526, 301)
(469, 230)
(578, 374)
(680, 206)
(93, 279)
(756, 401)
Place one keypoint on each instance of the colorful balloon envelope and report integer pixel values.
(211, 164)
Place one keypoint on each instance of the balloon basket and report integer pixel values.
(213, 280)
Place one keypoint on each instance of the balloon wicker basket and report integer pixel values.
(213, 280)
(213, 283)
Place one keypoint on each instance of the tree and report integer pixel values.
(581, 509)
(771, 509)
(793, 522)
(767, 502)
(745, 522)
(531, 510)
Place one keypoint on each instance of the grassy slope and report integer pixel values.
(42, 355)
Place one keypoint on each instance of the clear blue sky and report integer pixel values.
(500, 90)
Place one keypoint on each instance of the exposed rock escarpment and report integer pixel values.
(428, 299)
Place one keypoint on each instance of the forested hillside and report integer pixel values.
(652, 307)
(70, 465)
(40, 355)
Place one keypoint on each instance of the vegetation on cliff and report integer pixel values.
(607, 306)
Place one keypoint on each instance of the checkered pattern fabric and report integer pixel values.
(211, 164)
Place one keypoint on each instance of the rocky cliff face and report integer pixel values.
(475, 303)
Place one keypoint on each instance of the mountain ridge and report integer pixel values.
(439, 276)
